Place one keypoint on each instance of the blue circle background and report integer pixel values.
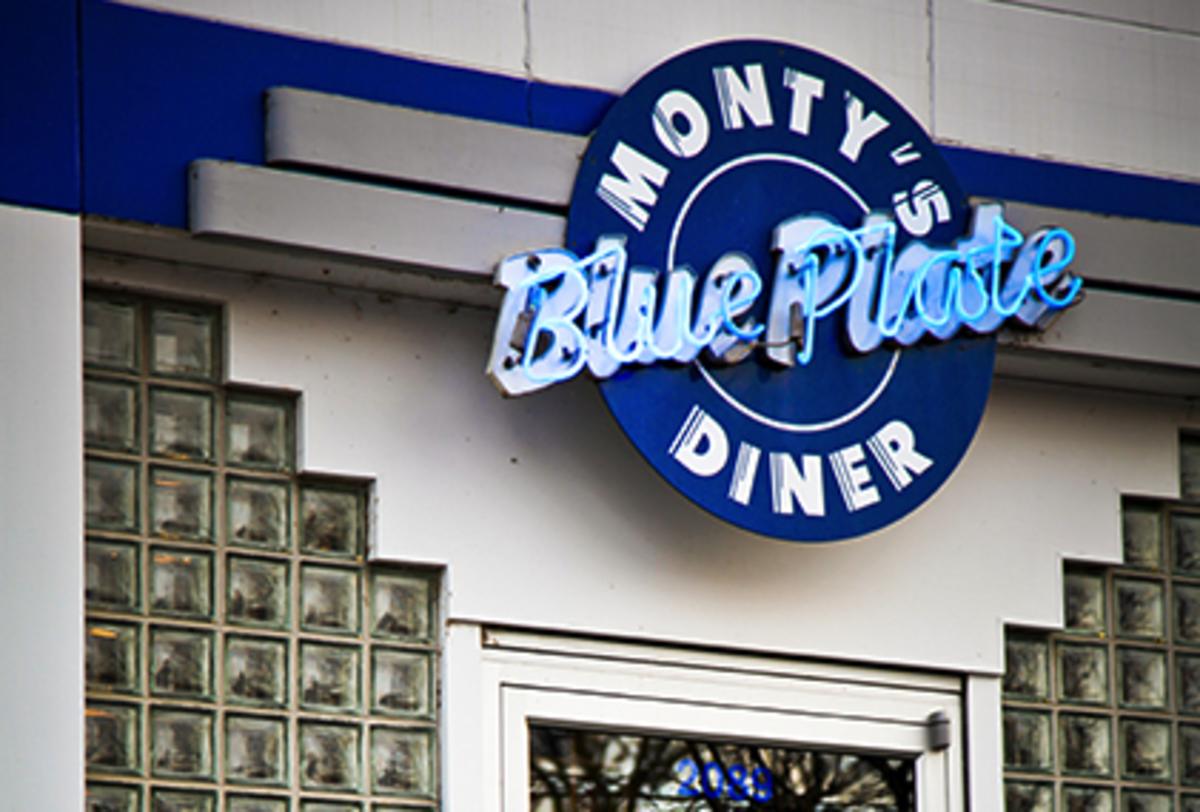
(939, 389)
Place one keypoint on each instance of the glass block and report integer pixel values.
(258, 513)
(1082, 673)
(111, 575)
(180, 662)
(1141, 678)
(180, 582)
(255, 803)
(172, 800)
(112, 737)
(1185, 535)
(328, 806)
(329, 676)
(259, 433)
(400, 682)
(1189, 467)
(1139, 608)
(1084, 602)
(329, 599)
(257, 592)
(1026, 667)
(256, 671)
(401, 606)
(180, 504)
(112, 798)
(1187, 614)
(1189, 754)
(110, 415)
(1145, 749)
(1085, 744)
(111, 495)
(329, 756)
(111, 657)
(1141, 531)
(1028, 744)
(1142, 801)
(181, 343)
(401, 761)
(1088, 799)
(181, 742)
(1189, 803)
(181, 424)
(255, 750)
(1187, 685)
(331, 521)
(109, 334)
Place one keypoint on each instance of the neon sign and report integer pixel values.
(562, 312)
(788, 304)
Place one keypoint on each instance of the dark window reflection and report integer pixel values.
(581, 771)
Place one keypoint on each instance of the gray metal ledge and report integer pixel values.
(413, 146)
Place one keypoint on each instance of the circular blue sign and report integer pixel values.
(709, 153)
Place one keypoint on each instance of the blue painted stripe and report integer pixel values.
(39, 104)
(161, 90)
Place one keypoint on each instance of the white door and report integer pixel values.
(631, 728)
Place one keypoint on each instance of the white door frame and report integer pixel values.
(498, 682)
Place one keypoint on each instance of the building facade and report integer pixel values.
(274, 541)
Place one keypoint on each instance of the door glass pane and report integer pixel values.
(594, 771)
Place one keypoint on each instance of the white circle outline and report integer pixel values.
(780, 425)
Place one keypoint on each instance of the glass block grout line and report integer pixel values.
(217, 628)
(1149, 623)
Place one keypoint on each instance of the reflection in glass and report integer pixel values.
(329, 676)
(180, 424)
(1188, 684)
(401, 761)
(258, 513)
(1084, 602)
(329, 599)
(111, 495)
(109, 334)
(328, 756)
(258, 591)
(111, 574)
(1027, 743)
(1085, 744)
(400, 606)
(1141, 801)
(1142, 536)
(1187, 613)
(1088, 799)
(180, 582)
(1145, 749)
(1190, 803)
(180, 662)
(111, 737)
(182, 343)
(400, 681)
(255, 803)
(1026, 667)
(1142, 678)
(110, 415)
(181, 504)
(1185, 532)
(330, 521)
(179, 801)
(1027, 797)
(111, 657)
(1139, 607)
(1189, 754)
(256, 671)
(257, 433)
(607, 771)
(112, 798)
(1082, 673)
(255, 750)
(182, 743)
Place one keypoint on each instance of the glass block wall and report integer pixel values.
(1105, 715)
(240, 655)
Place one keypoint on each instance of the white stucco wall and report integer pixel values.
(546, 516)
(1108, 83)
(41, 514)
